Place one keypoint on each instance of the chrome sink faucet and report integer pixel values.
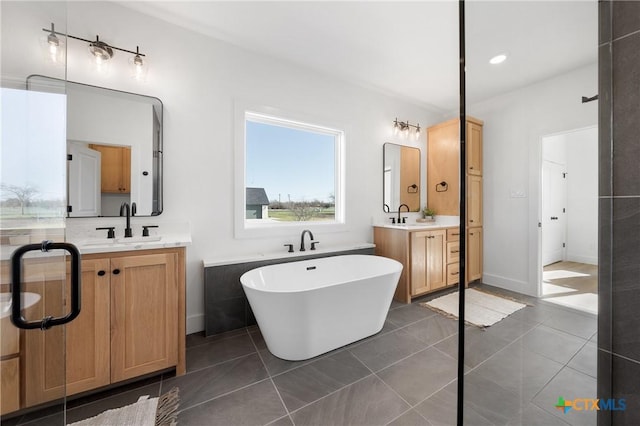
(306, 231)
(399, 209)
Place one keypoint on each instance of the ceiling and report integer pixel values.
(405, 49)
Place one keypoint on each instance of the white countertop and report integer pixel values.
(283, 255)
(104, 245)
(88, 240)
(440, 222)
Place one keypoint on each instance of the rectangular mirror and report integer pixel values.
(114, 147)
(401, 177)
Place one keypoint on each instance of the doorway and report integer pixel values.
(570, 219)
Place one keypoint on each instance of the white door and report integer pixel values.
(554, 225)
(84, 181)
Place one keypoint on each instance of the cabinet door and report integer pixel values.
(474, 254)
(474, 201)
(43, 353)
(474, 149)
(115, 173)
(87, 336)
(418, 262)
(436, 259)
(144, 314)
(85, 339)
(428, 267)
(9, 385)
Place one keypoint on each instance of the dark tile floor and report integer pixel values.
(404, 375)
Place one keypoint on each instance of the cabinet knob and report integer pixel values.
(471, 220)
(101, 273)
(117, 271)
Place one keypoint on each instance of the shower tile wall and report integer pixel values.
(619, 251)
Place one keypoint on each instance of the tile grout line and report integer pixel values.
(286, 409)
(220, 363)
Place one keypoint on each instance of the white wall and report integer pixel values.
(198, 80)
(514, 126)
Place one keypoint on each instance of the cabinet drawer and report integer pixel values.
(453, 273)
(453, 251)
(453, 234)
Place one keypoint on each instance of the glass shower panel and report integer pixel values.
(32, 212)
(531, 78)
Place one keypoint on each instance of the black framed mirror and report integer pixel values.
(400, 177)
(114, 148)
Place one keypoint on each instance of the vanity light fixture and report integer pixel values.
(404, 128)
(99, 50)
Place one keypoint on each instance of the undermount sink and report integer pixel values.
(28, 299)
(121, 240)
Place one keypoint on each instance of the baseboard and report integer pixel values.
(509, 284)
(195, 323)
(590, 260)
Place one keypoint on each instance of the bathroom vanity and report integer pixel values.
(131, 324)
(429, 254)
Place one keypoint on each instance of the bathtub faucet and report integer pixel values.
(400, 209)
(306, 231)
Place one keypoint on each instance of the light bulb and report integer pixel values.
(53, 52)
(53, 48)
(418, 132)
(139, 66)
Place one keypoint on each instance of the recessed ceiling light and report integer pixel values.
(498, 59)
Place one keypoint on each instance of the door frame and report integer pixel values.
(535, 208)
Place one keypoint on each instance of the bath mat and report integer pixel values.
(481, 309)
(162, 411)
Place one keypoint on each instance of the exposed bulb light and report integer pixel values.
(498, 59)
(138, 66)
(404, 128)
(396, 127)
(100, 50)
(54, 47)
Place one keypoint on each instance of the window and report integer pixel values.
(292, 173)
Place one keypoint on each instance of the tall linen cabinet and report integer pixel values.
(443, 183)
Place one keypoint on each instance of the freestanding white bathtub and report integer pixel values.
(310, 307)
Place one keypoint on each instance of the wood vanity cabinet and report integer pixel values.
(428, 261)
(132, 322)
(427, 257)
(443, 165)
(115, 168)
